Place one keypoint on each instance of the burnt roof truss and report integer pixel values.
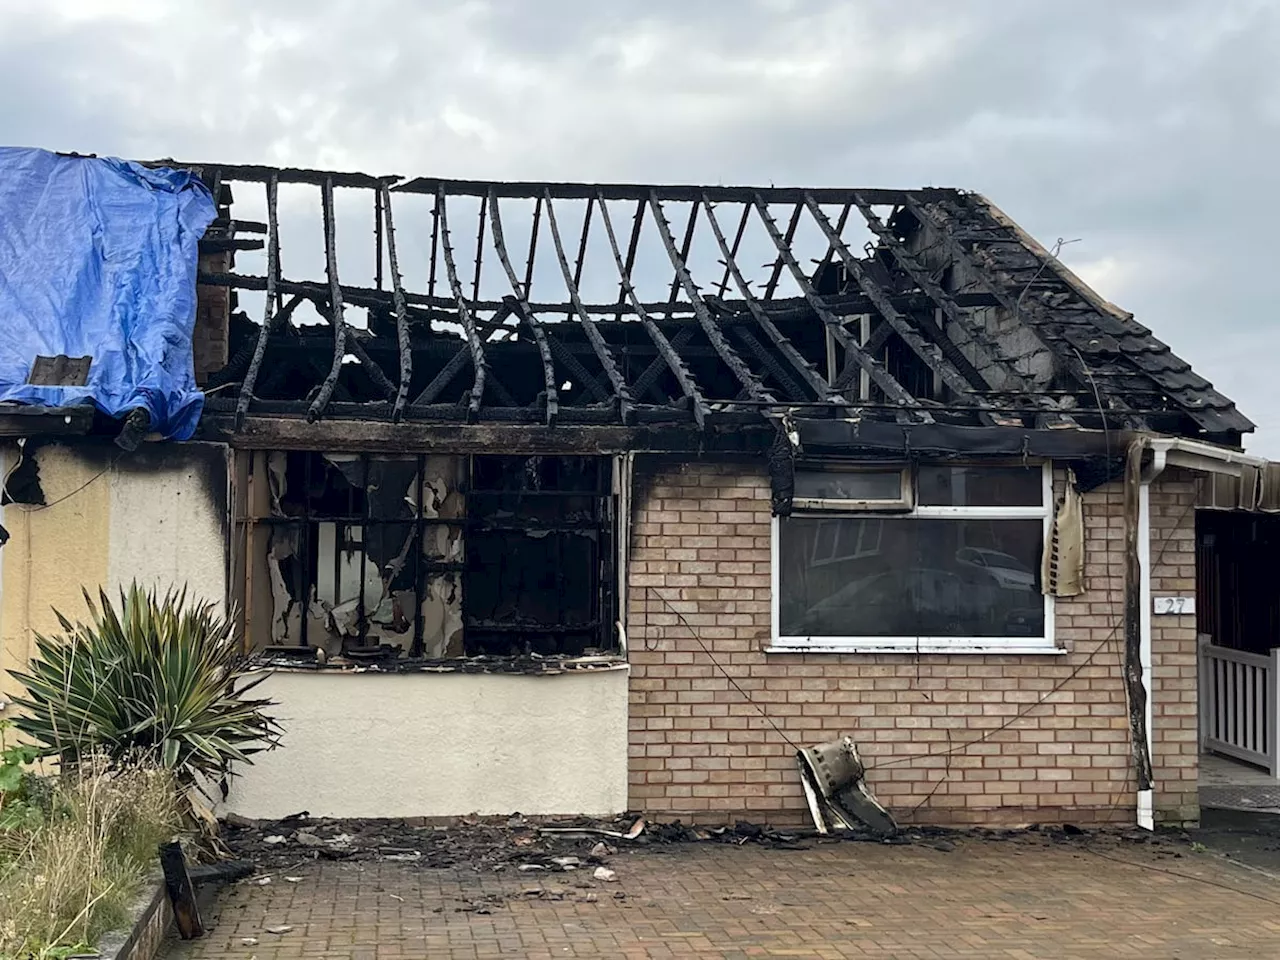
(638, 305)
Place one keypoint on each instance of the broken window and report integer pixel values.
(956, 563)
(428, 556)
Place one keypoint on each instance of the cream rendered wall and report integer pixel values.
(169, 521)
(424, 744)
(52, 551)
(157, 514)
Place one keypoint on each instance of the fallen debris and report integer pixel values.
(605, 874)
(279, 929)
(832, 777)
(488, 845)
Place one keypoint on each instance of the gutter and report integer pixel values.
(1165, 452)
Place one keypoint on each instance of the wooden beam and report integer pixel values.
(821, 389)
(402, 320)
(464, 311)
(750, 382)
(525, 312)
(893, 390)
(269, 308)
(335, 306)
(594, 336)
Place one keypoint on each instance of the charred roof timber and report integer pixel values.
(641, 306)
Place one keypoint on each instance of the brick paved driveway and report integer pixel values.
(982, 899)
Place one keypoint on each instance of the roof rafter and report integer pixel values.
(464, 311)
(316, 409)
(594, 336)
(525, 312)
(821, 389)
(666, 352)
(1011, 304)
(962, 379)
(398, 302)
(750, 382)
(893, 390)
(988, 351)
(270, 309)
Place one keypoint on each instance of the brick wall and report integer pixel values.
(213, 317)
(700, 750)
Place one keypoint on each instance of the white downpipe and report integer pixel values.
(1146, 798)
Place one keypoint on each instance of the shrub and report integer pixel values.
(71, 874)
(153, 680)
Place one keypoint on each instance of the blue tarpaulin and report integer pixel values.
(98, 260)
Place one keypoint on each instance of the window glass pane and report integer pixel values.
(951, 486)
(906, 577)
(849, 484)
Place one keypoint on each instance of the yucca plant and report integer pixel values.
(153, 679)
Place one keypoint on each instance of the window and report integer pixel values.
(853, 489)
(956, 569)
(432, 557)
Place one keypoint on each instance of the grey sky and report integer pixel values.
(1148, 129)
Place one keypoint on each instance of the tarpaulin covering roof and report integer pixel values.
(98, 285)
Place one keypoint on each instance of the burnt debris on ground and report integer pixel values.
(537, 846)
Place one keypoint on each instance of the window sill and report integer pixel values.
(529, 666)
(1039, 648)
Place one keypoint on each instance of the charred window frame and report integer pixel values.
(430, 557)
(949, 562)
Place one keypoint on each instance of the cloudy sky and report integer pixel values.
(1148, 130)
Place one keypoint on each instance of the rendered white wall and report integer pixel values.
(168, 520)
(423, 744)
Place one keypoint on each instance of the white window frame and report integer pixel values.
(899, 504)
(976, 645)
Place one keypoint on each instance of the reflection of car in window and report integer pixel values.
(919, 601)
(1007, 571)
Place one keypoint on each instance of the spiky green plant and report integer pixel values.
(154, 679)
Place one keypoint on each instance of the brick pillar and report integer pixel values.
(213, 317)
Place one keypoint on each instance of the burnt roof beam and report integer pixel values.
(934, 355)
(316, 410)
(464, 311)
(750, 382)
(530, 190)
(401, 314)
(881, 377)
(442, 379)
(594, 336)
(667, 353)
(821, 389)
(269, 311)
(775, 273)
(1010, 303)
(987, 351)
(525, 312)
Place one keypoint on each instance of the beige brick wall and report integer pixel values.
(1051, 731)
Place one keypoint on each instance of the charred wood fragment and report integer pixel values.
(525, 313)
(398, 300)
(316, 409)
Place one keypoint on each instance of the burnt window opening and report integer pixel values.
(429, 556)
